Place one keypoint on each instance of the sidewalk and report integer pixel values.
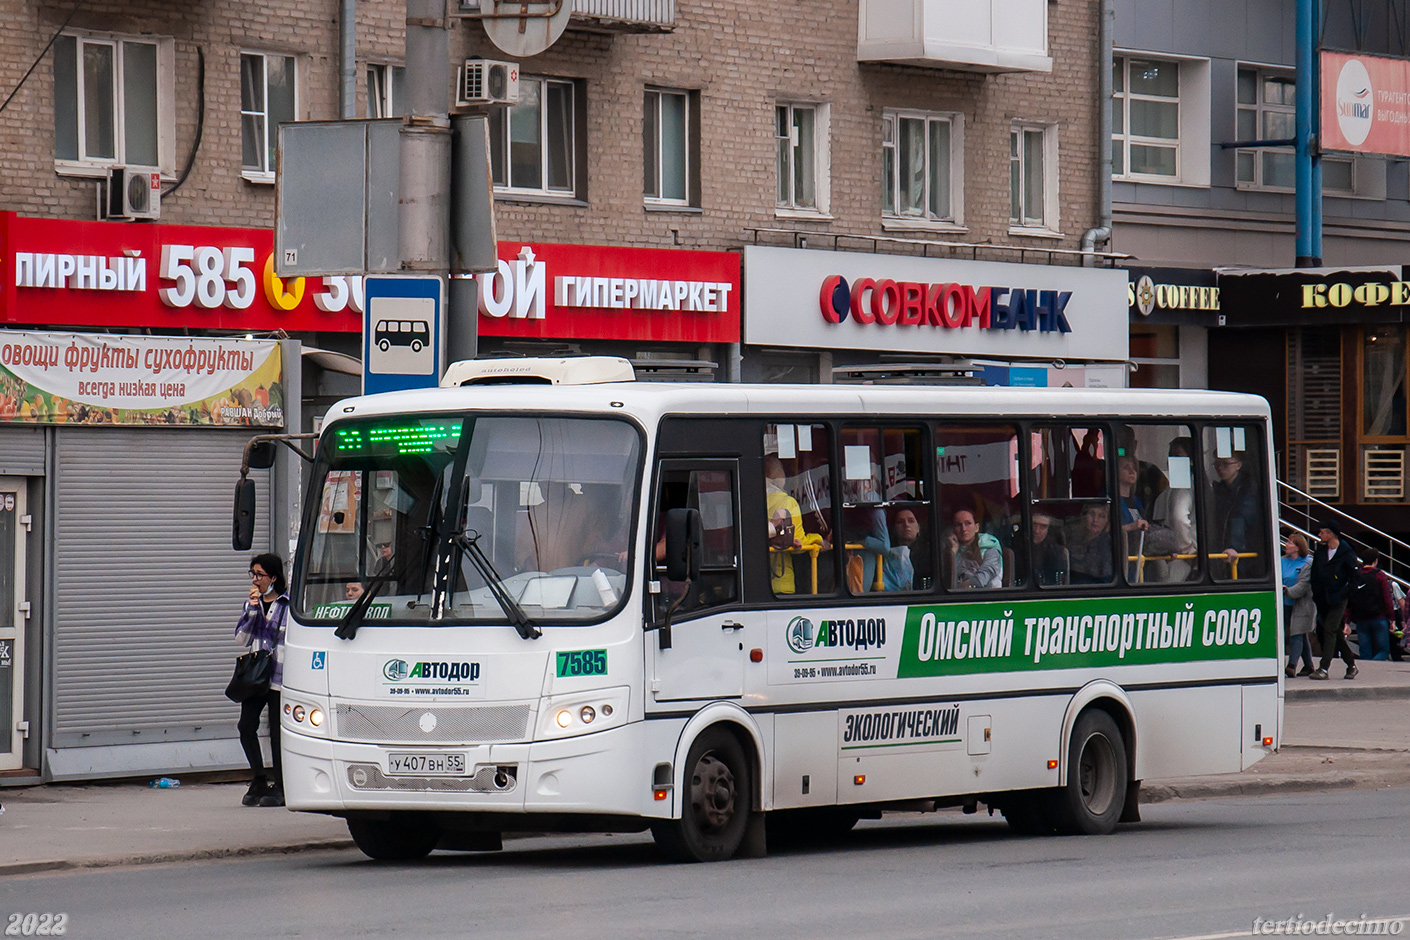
(1339, 734)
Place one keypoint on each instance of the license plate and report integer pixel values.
(427, 765)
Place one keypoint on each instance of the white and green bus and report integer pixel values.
(548, 597)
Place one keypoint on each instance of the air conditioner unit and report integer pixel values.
(134, 192)
(482, 81)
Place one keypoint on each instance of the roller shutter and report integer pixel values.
(147, 589)
(21, 452)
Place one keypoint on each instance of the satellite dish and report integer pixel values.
(523, 29)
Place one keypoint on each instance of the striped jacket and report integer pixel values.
(259, 632)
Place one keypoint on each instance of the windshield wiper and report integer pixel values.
(495, 585)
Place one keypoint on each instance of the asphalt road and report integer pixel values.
(1191, 869)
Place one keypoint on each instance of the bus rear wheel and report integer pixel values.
(394, 840)
(717, 801)
(1094, 795)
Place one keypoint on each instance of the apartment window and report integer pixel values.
(384, 90)
(267, 99)
(1033, 176)
(1145, 119)
(112, 101)
(670, 145)
(800, 144)
(1267, 110)
(921, 166)
(532, 143)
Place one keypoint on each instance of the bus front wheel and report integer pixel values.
(393, 840)
(1091, 800)
(717, 800)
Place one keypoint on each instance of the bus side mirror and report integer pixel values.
(684, 544)
(262, 455)
(242, 534)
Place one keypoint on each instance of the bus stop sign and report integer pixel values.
(403, 333)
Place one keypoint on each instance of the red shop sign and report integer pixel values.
(61, 272)
(599, 292)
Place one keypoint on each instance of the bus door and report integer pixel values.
(706, 656)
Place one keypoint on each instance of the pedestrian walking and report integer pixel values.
(261, 627)
(1334, 566)
(1371, 605)
(1299, 611)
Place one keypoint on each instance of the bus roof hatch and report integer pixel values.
(572, 370)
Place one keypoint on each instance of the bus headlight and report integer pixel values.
(583, 712)
(304, 717)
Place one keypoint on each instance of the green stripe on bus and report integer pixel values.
(1082, 633)
(863, 747)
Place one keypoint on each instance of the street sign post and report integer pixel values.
(403, 333)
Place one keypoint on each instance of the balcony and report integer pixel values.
(972, 35)
(624, 16)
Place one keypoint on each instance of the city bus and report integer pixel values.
(548, 597)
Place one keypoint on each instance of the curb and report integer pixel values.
(1346, 692)
(158, 858)
(1197, 789)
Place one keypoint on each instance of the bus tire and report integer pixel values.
(393, 840)
(717, 800)
(1027, 814)
(1094, 796)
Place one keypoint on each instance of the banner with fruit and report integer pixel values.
(78, 378)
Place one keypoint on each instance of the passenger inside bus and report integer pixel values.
(1175, 509)
(973, 558)
(1050, 562)
(1237, 520)
(785, 525)
(797, 478)
(905, 562)
(1090, 550)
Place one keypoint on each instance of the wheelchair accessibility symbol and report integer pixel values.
(319, 659)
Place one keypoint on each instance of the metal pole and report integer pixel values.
(1105, 64)
(1308, 168)
(347, 64)
(424, 211)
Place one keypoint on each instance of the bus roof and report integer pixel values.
(649, 401)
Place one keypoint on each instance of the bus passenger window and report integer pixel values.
(1069, 491)
(886, 511)
(711, 491)
(978, 473)
(1156, 501)
(1235, 505)
(797, 492)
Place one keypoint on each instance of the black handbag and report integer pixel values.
(253, 672)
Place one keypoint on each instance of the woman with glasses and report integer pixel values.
(261, 627)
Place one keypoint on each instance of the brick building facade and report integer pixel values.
(740, 58)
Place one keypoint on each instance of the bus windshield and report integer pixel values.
(548, 501)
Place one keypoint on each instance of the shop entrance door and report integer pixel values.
(14, 611)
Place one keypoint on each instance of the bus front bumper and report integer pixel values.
(600, 773)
